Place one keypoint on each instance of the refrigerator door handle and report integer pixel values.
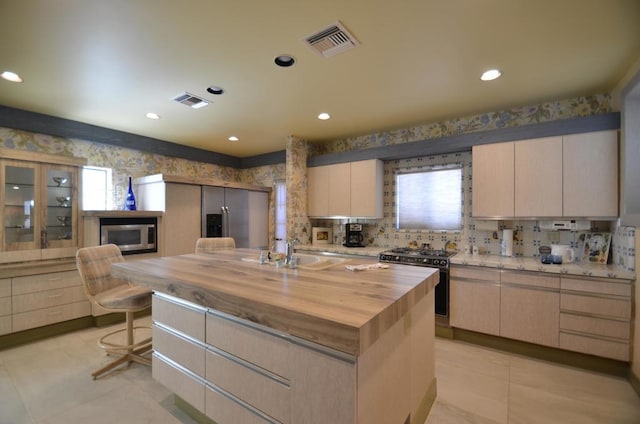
(225, 221)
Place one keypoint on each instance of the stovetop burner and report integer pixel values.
(420, 257)
(422, 252)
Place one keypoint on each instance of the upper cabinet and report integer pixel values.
(345, 189)
(39, 198)
(568, 176)
(493, 179)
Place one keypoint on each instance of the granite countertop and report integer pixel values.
(341, 309)
(534, 264)
(371, 251)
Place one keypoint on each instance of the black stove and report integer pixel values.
(427, 258)
(420, 257)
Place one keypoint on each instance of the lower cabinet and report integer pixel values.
(5, 306)
(581, 314)
(595, 317)
(43, 299)
(530, 307)
(475, 299)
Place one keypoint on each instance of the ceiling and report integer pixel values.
(108, 63)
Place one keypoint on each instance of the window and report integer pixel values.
(429, 199)
(97, 189)
(280, 215)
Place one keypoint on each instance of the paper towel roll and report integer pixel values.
(507, 242)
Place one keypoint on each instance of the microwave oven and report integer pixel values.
(131, 235)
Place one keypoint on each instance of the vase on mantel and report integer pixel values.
(130, 201)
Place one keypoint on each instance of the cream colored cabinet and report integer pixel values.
(5, 306)
(39, 206)
(493, 171)
(339, 201)
(530, 307)
(318, 191)
(590, 174)
(347, 189)
(538, 177)
(569, 176)
(595, 317)
(475, 299)
(44, 299)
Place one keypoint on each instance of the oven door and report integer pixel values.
(442, 294)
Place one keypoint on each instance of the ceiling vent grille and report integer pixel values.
(190, 100)
(331, 40)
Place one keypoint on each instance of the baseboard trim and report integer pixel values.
(39, 333)
(635, 382)
(192, 412)
(426, 404)
(559, 356)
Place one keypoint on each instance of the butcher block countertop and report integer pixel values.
(341, 309)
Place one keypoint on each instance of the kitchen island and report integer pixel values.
(247, 342)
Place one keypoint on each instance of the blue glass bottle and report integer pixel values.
(130, 201)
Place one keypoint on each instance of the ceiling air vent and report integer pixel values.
(191, 100)
(331, 40)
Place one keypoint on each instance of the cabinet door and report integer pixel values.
(366, 188)
(590, 174)
(60, 206)
(339, 189)
(493, 179)
(530, 308)
(475, 299)
(538, 177)
(181, 219)
(21, 226)
(318, 191)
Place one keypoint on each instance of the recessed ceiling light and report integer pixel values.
(324, 116)
(152, 115)
(284, 60)
(11, 76)
(233, 138)
(490, 75)
(215, 90)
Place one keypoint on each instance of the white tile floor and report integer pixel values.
(49, 382)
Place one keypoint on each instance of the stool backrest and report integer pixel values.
(211, 244)
(94, 266)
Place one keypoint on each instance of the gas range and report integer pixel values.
(420, 257)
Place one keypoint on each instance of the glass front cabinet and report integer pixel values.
(39, 198)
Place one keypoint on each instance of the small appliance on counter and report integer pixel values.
(353, 235)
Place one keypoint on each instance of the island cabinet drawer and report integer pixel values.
(602, 305)
(249, 383)
(46, 316)
(180, 381)
(593, 345)
(5, 325)
(596, 326)
(182, 316)
(5, 287)
(41, 282)
(47, 298)
(262, 347)
(179, 349)
(5, 306)
(224, 410)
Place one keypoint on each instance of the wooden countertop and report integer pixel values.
(335, 307)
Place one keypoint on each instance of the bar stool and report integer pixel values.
(114, 295)
(211, 244)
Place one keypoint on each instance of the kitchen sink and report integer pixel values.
(308, 262)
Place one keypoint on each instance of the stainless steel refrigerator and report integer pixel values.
(238, 213)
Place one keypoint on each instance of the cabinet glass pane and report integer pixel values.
(59, 209)
(19, 203)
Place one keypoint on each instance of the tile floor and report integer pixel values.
(49, 382)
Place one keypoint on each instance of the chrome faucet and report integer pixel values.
(289, 250)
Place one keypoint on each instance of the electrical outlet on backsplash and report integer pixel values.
(528, 237)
